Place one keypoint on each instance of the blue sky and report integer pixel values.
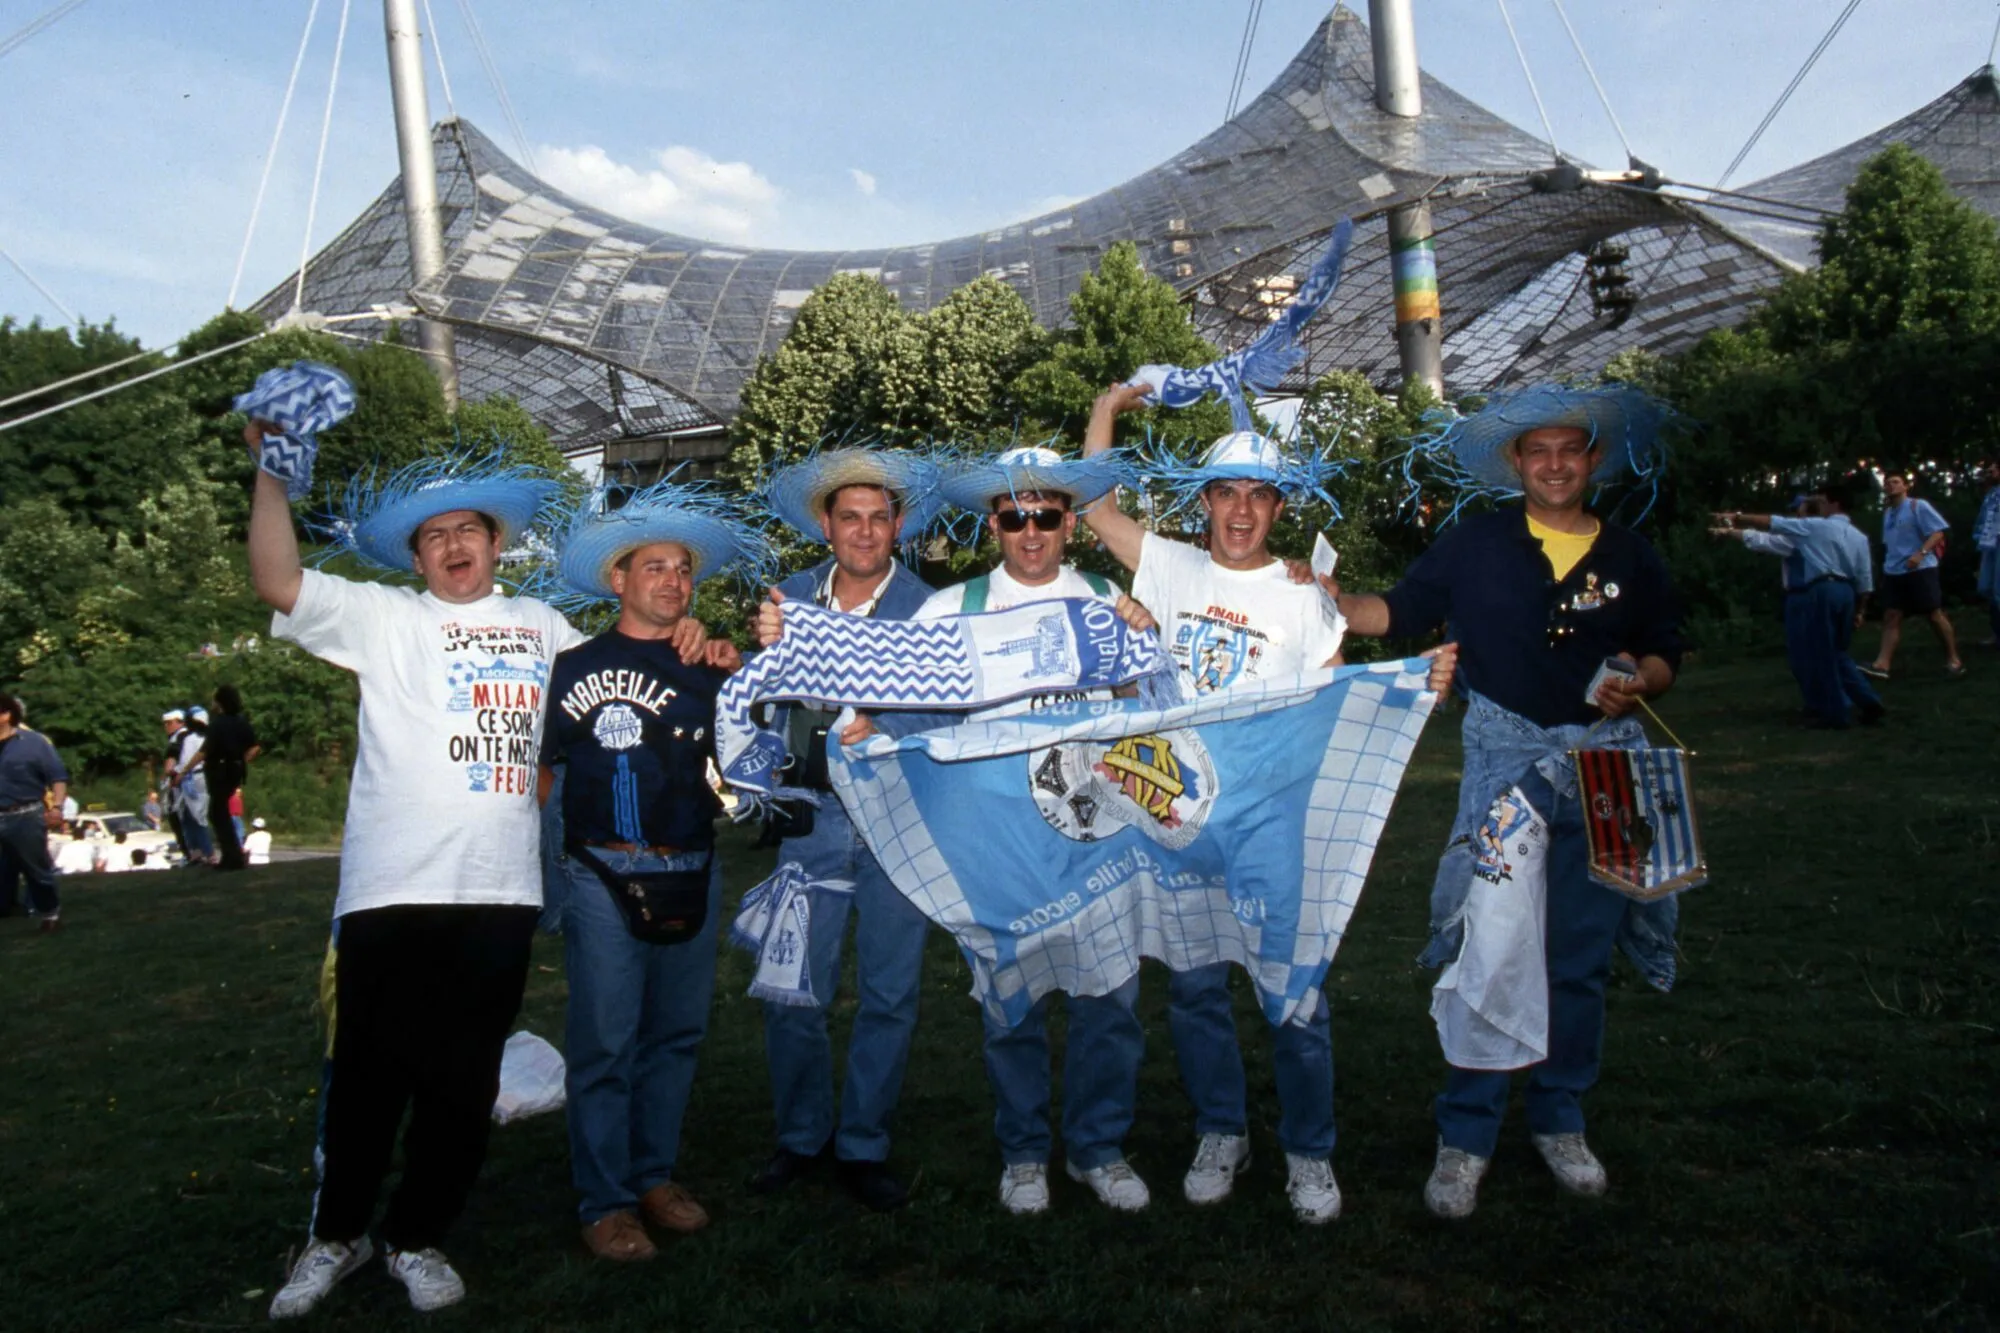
(132, 132)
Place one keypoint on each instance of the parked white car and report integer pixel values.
(111, 842)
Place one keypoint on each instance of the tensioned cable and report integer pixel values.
(36, 283)
(379, 312)
(68, 403)
(1243, 57)
(480, 49)
(33, 26)
(1577, 42)
(1529, 74)
(270, 158)
(1993, 45)
(1790, 88)
(437, 54)
(319, 163)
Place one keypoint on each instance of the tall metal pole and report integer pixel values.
(1412, 252)
(420, 189)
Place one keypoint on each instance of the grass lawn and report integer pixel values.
(1807, 1132)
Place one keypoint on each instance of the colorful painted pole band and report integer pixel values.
(1414, 264)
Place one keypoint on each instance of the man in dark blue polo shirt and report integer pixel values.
(29, 766)
(633, 722)
(1538, 596)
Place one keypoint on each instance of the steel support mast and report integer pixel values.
(1412, 253)
(420, 189)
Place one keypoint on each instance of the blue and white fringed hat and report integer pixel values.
(692, 515)
(301, 400)
(1626, 423)
(1260, 365)
(976, 483)
(797, 494)
(1242, 455)
(379, 513)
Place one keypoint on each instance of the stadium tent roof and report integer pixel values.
(604, 327)
(1959, 133)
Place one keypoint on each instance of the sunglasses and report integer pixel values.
(1015, 520)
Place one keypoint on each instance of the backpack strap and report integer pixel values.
(1100, 585)
(976, 590)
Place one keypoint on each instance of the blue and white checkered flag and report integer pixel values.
(1060, 846)
(302, 400)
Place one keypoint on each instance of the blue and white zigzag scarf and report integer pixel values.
(830, 659)
(302, 400)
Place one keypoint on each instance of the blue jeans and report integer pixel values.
(1819, 627)
(637, 1014)
(24, 850)
(889, 953)
(1100, 1079)
(1203, 1023)
(1581, 920)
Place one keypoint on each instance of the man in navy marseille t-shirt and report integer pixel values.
(633, 723)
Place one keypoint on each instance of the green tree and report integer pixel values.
(821, 383)
(948, 373)
(1120, 318)
(1905, 255)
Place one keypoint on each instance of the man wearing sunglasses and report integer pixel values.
(1566, 622)
(1028, 496)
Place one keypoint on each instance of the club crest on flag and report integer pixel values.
(1162, 783)
(1640, 821)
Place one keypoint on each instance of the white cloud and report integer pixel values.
(683, 190)
(863, 181)
(1048, 203)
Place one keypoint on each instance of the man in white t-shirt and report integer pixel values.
(440, 873)
(1029, 496)
(1230, 615)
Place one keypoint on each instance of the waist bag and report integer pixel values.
(659, 906)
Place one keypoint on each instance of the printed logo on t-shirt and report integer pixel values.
(618, 727)
(1218, 648)
(497, 683)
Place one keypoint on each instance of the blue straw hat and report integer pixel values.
(976, 485)
(797, 494)
(378, 515)
(667, 511)
(1243, 455)
(1622, 421)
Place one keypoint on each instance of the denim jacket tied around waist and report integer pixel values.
(1502, 750)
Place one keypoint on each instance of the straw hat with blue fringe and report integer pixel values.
(692, 516)
(1626, 423)
(797, 494)
(379, 513)
(976, 484)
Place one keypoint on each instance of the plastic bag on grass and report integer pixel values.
(531, 1079)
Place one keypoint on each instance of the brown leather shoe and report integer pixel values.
(619, 1237)
(673, 1208)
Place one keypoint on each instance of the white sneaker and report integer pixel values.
(432, 1281)
(1575, 1166)
(1453, 1189)
(1217, 1159)
(1024, 1188)
(1116, 1183)
(1314, 1193)
(324, 1263)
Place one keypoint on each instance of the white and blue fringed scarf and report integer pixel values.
(830, 659)
(1261, 364)
(775, 924)
(302, 400)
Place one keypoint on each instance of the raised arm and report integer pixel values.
(274, 544)
(1118, 530)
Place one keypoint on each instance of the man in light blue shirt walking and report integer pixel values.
(1828, 577)
(1912, 536)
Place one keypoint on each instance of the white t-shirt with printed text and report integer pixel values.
(1226, 627)
(1003, 593)
(441, 808)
